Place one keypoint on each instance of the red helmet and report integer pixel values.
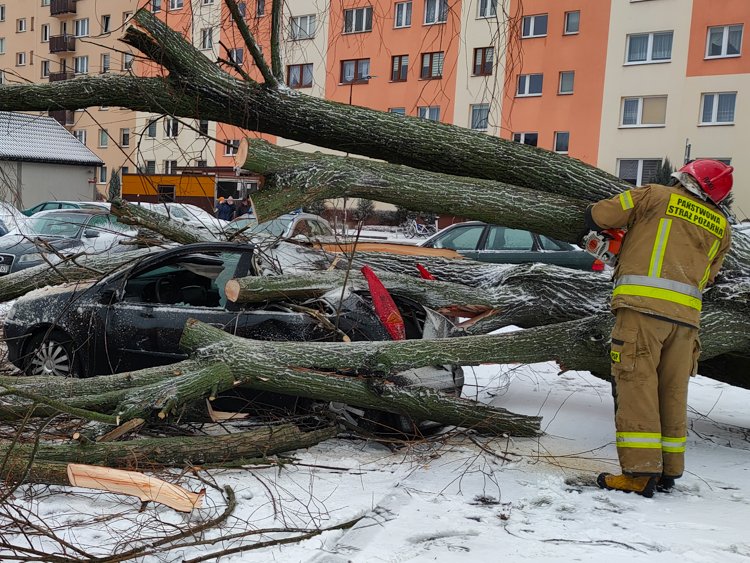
(714, 177)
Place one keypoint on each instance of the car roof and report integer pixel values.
(87, 211)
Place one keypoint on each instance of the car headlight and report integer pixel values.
(33, 257)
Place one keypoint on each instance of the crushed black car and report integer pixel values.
(133, 318)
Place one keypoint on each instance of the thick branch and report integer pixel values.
(252, 45)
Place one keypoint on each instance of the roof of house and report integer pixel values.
(33, 138)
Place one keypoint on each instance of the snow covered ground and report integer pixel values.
(460, 499)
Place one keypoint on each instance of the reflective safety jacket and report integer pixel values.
(673, 249)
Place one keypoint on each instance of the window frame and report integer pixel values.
(566, 21)
(481, 107)
(301, 67)
(441, 11)
(555, 142)
(649, 49)
(400, 71)
(408, 11)
(81, 27)
(151, 128)
(560, 91)
(45, 32)
(21, 26)
(639, 113)
(171, 127)
(532, 26)
(365, 10)
(106, 62)
(486, 9)
(724, 41)
(232, 55)
(207, 38)
(45, 70)
(428, 110)
(302, 33)
(431, 56)
(639, 174)
(176, 5)
(715, 110)
(522, 138)
(106, 23)
(231, 147)
(84, 63)
(80, 134)
(103, 139)
(125, 136)
(527, 93)
(482, 66)
(357, 63)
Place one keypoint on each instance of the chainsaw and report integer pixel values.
(604, 245)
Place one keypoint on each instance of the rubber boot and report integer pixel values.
(644, 486)
(665, 484)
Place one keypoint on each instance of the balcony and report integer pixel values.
(64, 75)
(62, 43)
(63, 116)
(62, 7)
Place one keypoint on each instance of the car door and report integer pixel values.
(465, 239)
(564, 254)
(502, 245)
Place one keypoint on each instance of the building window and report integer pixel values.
(21, 59)
(102, 174)
(534, 26)
(562, 140)
(487, 8)
(125, 137)
(171, 127)
(20, 25)
(530, 85)
(81, 27)
(150, 167)
(169, 166)
(526, 138)
(126, 17)
(106, 58)
(638, 171)
(399, 68)
(231, 147)
(718, 108)
(397, 111)
(480, 114)
(237, 56)
(572, 23)
(103, 138)
(201, 163)
(2, 45)
(2, 75)
(81, 65)
(432, 65)
(358, 20)
(80, 134)
(435, 11)
(2, 12)
(45, 69)
(724, 41)
(260, 8)
(106, 22)
(567, 80)
(483, 61)
(207, 38)
(151, 129)
(241, 8)
(156, 6)
(203, 127)
(175, 4)
(403, 14)
(355, 70)
(127, 61)
(45, 33)
(429, 112)
(299, 76)
(165, 193)
(644, 111)
(303, 27)
(649, 47)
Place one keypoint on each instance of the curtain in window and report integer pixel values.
(348, 21)
(629, 171)
(725, 111)
(708, 108)
(488, 8)
(735, 40)
(662, 48)
(535, 83)
(637, 48)
(479, 116)
(347, 71)
(443, 15)
(307, 75)
(489, 56)
(437, 64)
(430, 11)
(630, 111)
(715, 40)
(294, 76)
(650, 169)
(363, 68)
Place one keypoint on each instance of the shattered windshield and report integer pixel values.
(276, 227)
(67, 225)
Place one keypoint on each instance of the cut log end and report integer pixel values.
(232, 290)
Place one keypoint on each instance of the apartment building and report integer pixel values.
(619, 84)
(51, 40)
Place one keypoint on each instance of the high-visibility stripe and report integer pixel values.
(662, 294)
(644, 440)
(626, 200)
(657, 254)
(660, 283)
(673, 445)
(711, 255)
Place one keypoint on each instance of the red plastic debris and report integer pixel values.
(424, 273)
(385, 307)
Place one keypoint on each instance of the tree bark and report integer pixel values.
(140, 216)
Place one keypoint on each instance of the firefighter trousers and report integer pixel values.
(652, 361)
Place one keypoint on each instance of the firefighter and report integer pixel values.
(676, 240)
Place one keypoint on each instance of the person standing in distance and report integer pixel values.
(677, 237)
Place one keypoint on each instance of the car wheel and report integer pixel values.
(51, 353)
